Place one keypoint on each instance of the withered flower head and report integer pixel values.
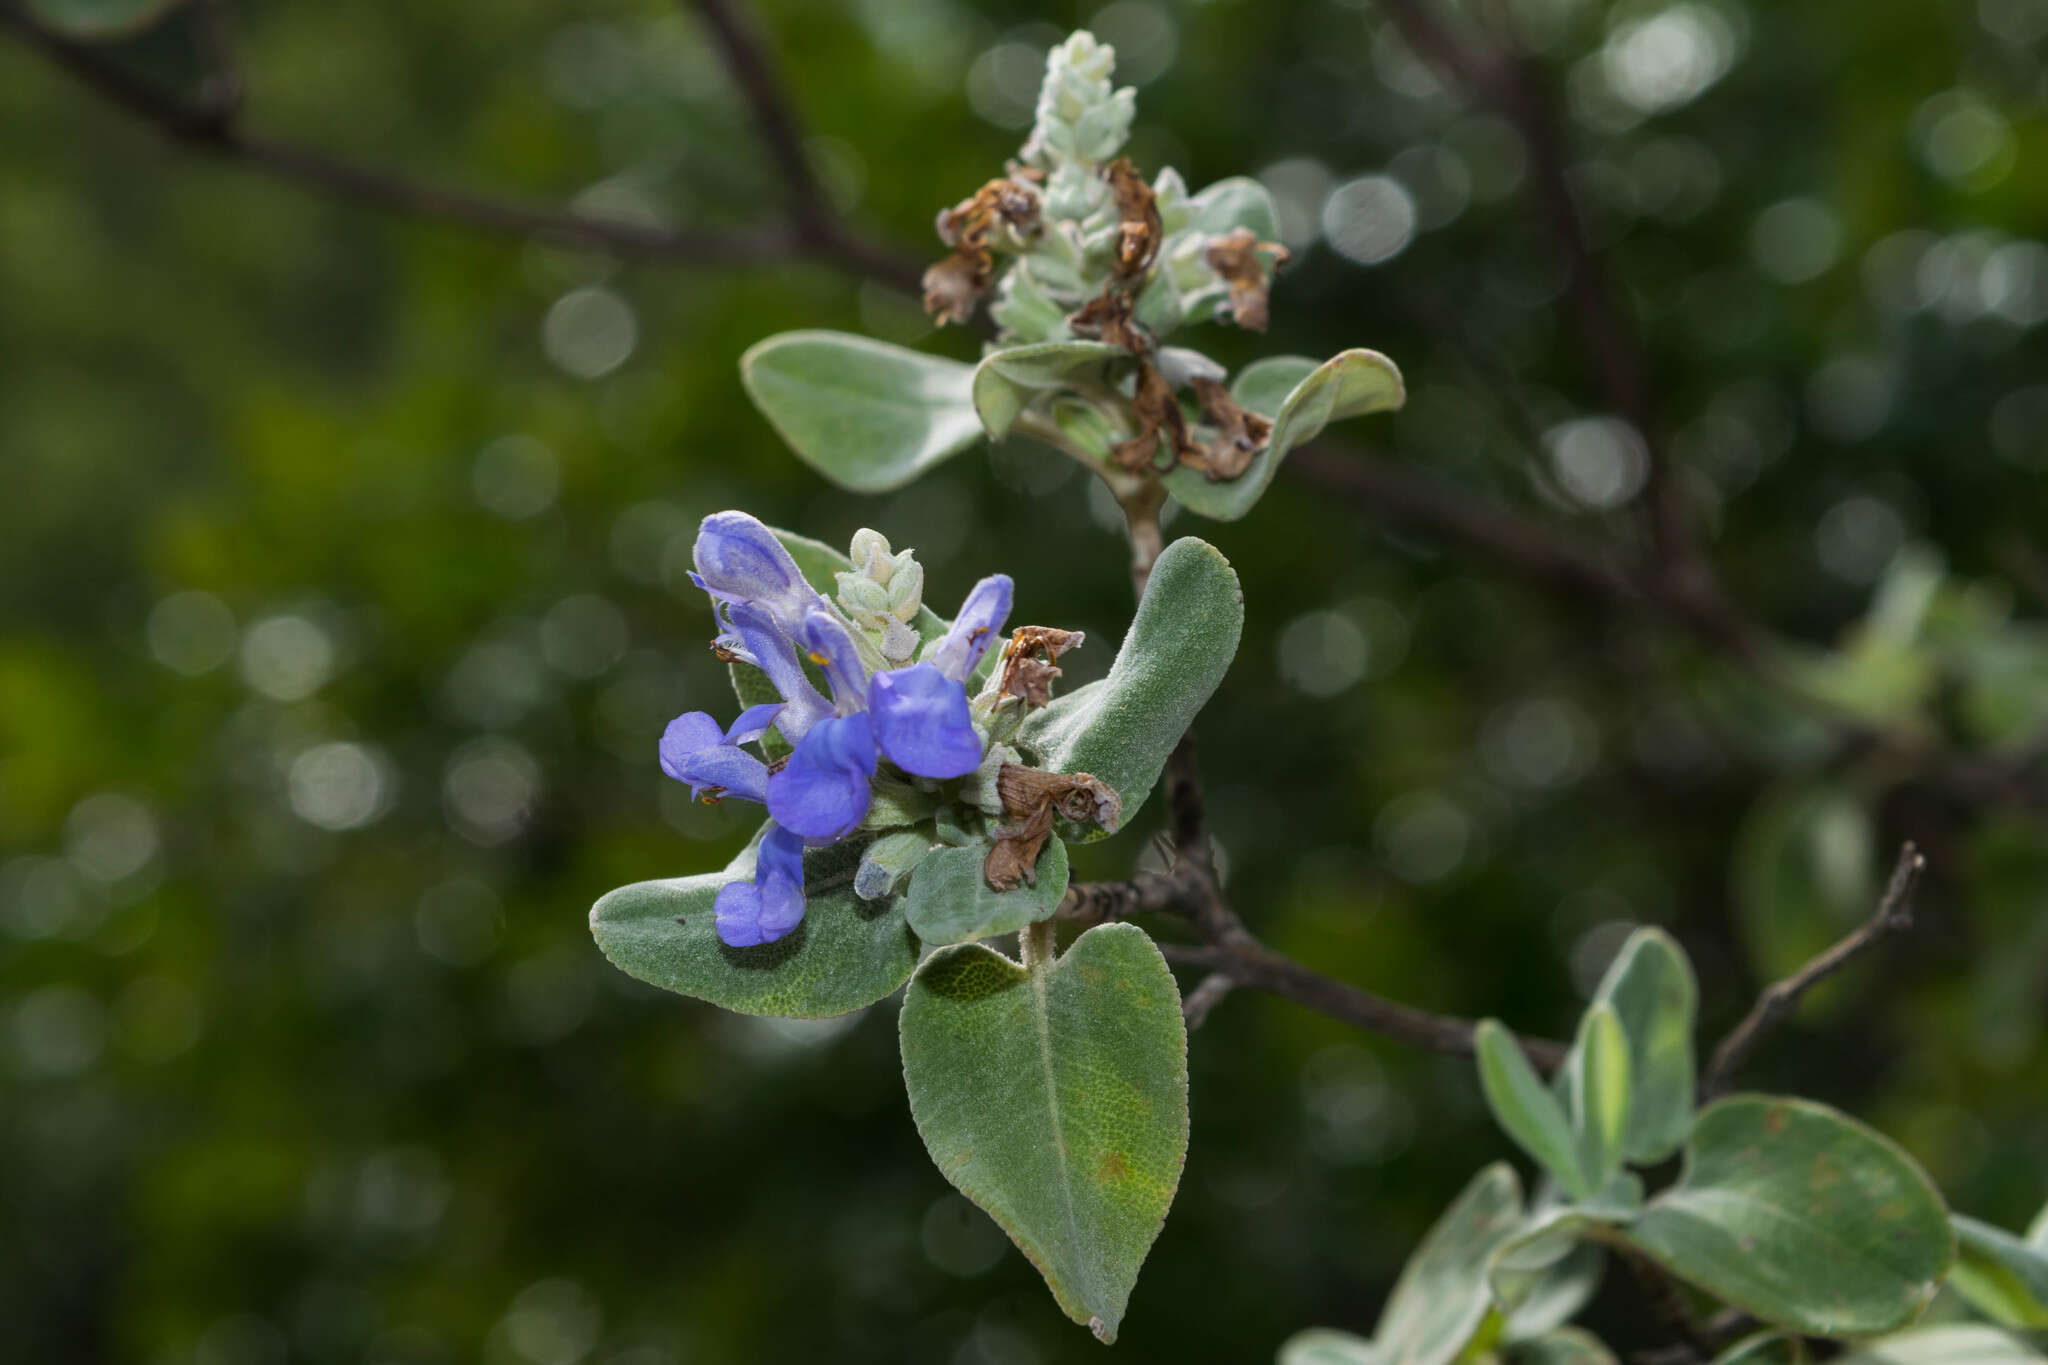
(954, 285)
(1157, 411)
(1242, 260)
(1242, 432)
(1033, 800)
(1107, 316)
(1139, 229)
(1031, 659)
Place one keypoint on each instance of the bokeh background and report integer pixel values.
(342, 600)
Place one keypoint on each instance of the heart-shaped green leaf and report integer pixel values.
(1801, 1217)
(1351, 384)
(1565, 1346)
(1006, 381)
(2003, 1277)
(847, 952)
(1949, 1344)
(1650, 987)
(101, 20)
(1327, 1346)
(1442, 1296)
(867, 415)
(1596, 1077)
(1056, 1098)
(1526, 1109)
(950, 901)
(1182, 640)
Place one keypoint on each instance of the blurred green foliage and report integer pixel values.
(341, 602)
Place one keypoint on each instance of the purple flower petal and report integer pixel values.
(921, 722)
(976, 627)
(752, 913)
(753, 723)
(823, 791)
(831, 647)
(696, 751)
(774, 653)
(740, 560)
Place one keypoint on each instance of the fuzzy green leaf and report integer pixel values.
(1565, 1346)
(1650, 986)
(1056, 1098)
(1597, 1080)
(1801, 1217)
(1236, 202)
(847, 952)
(1763, 1348)
(1526, 1110)
(951, 902)
(2003, 1277)
(1006, 381)
(1948, 1344)
(1183, 638)
(1553, 1296)
(1351, 384)
(1442, 1297)
(1327, 1346)
(867, 415)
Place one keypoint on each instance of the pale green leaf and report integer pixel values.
(1006, 381)
(1597, 1080)
(1351, 384)
(1565, 1346)
(1555, 1294)
(1763, 1348)
(1525, 1108)
(1650, 985)
(1949, 1344)
(1056, 1098)
(847, 952)
(950, 901)
(1236, 202)
(1801, 1217)
(1327, 1346)
(1183, 638)
(2037, 1231)
(2002, 1276)
(867, 415)
(1443, 1297)
(1539, 1250)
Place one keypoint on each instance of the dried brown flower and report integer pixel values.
(1107, 316)
(1241, 259)
(1157, 411)
(954, 285)
(1031, 659)
(1139, 229)
(1242, 435)
(1033, 799)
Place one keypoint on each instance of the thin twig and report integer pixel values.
(1196, 1004)
(1778, 1000)
(205, 126)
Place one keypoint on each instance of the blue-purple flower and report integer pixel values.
(915, 718)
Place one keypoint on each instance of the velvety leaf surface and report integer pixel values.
(1122, 727)
(1802, 1217)
(1949, 1344)
(1351, 384)
(867, 415)
(950, 901)
(1526, 1109)
(1650, 986)
(847, 952)
(1007, 380)
(1327, 1346)
(1056, 1099)
(2003, 1277)
(1565, 1346)
(1442, 1296)
(1235, 202)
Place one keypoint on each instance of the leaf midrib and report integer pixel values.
(1042, 1018)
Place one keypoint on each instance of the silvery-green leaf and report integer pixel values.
(1183, 638)
(1525, 1261)
(1763, 1348)
(950, 901)
(1801, 1217)
(867, 415)
(1596, 1075)
(888, 862)
(1650, 987)
(1327, 1346)
(847, 952)
(1055, 1097)
(2037, 1231)
(1443, 1297)
(1554, 1295)
(2002, 1276)
(1351, 384)
(1948, 1344)
(1565, 1346)
(1526, 1109)
(1006, 381)
(100, 20)
(1238, 202)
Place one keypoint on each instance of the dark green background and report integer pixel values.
(279, 1092)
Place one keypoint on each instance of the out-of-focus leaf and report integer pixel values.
(1351, 384)
(1056, 1098)
(1442, 1297)
(1801, 1217)
(1538, 1250)
(847, 952)
(1557, 1293)
(867, 415)
(1763, 1348)
(950, 901)
(1182, 640)
(1006, 381)
(1947, 1344)
(101, 20)
(1804, 874)
(1565, 1346)
(1327, 1346)
(1650, 986)
(1596, 1077)
(1236, 202)
(2001, 1275)
(1526, 1109)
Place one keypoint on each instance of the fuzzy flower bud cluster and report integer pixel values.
(882, 594)
(1083, 121)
